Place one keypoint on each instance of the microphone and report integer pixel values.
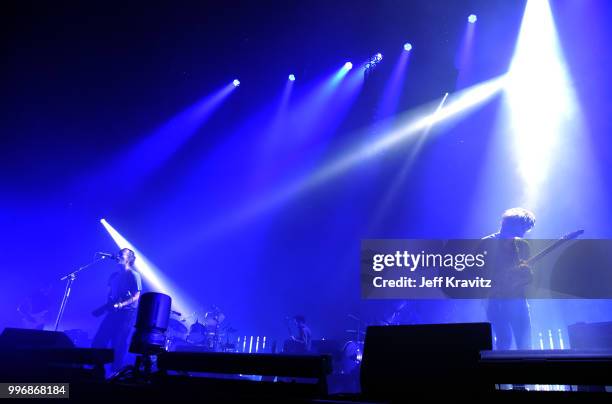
(106, 255)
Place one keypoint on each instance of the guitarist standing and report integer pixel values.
(510, 316)
(123, 294)
(34, 310)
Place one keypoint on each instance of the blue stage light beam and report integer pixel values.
(279, 115)
(314, 104)
(543, 108)
(156, 149)
(141, 160)
(316, 118)
(272, 132)
(398, 181)
(150, 272)
(341, 101)
(286, 124)
(340, 74)
(407, 126)
(463, 60)
(393, 89)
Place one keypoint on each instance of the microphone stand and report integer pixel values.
(358, 321)
(71, 277)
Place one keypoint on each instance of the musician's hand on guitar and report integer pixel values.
(524, 274)
(524, 266)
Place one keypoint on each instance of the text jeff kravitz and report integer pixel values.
(435, 282)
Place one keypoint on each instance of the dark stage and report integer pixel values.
(301, 201)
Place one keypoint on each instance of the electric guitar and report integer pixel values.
(520, 276)
(110, 306)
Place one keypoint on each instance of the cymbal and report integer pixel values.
(217, 316)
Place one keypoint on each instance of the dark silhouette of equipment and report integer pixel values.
(48, 356)
(149, 339)
(401, 359)
(151, 324)
(288, 375)
(21, 338)
(549, 367)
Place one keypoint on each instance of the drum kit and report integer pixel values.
(203, 330)
(352, 351)
(207, 330)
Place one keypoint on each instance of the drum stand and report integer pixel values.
(140, 371)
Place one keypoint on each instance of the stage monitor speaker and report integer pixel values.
(48, 356)
(405, 358)
(22, 338)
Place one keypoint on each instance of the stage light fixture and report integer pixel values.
(291, 77)
(472, 18)
(348, 66)
(407, 46)
(374, 60)
(236, 82)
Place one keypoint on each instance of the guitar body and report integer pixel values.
(102, 309)
(110, 305)
(519, 278)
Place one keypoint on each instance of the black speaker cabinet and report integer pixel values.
(21, 338)
(405, 358)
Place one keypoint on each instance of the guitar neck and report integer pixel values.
(545, 251)
(553, 246)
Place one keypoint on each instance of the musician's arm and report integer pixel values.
(129, 301)
(524, 253)
(136, 287)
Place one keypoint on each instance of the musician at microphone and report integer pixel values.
(124, 287)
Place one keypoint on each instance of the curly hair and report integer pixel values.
(518, 217)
